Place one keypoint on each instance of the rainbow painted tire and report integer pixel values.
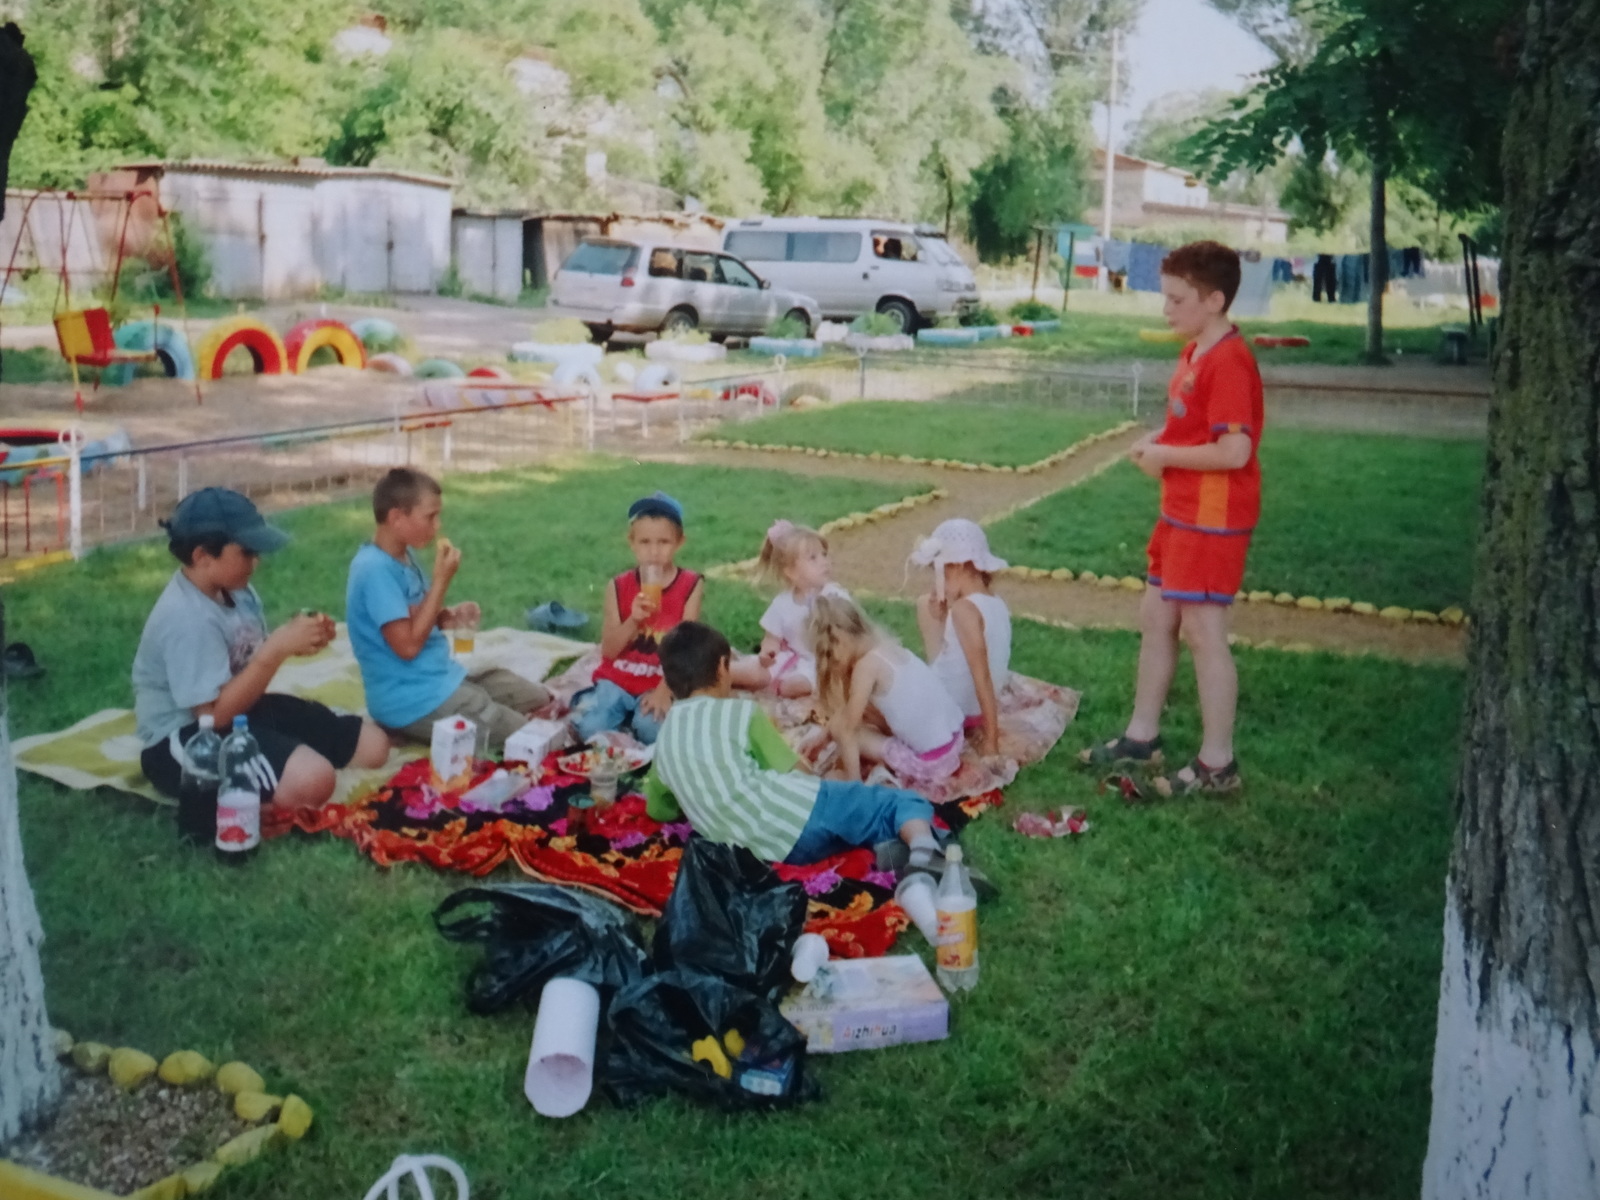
(166, 340)
(265, 347)
(389, 364)
(306, 338)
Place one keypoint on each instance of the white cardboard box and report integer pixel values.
(869, 1003)
(535, 740)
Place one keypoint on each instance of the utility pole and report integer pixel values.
(1111, 161)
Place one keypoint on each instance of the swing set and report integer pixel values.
(84, 335)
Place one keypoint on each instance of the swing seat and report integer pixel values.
(87, 341)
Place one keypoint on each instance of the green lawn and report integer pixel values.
(1390, 520)
(1206, 1001)
(987, 425)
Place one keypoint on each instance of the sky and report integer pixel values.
(1181, 46)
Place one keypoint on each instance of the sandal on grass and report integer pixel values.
(1122, 752)
(1197, 779)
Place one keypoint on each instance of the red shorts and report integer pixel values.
(1194, 567)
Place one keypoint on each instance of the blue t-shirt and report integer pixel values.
(383, 589)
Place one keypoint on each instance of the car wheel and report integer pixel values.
(600, 333)
(799, 317)
(902, 312)
(680, 320)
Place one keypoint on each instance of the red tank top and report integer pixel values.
(638, 668)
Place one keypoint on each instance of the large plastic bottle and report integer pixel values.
(239, 796)
(958, 926)
(197, 791)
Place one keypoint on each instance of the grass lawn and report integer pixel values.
(1004, 434)
(1391, 520)
(1200, 1001)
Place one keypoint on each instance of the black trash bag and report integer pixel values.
(533, 932)
(730, 916)
(654, 1025)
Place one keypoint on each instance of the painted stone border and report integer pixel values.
(1234, 639)
(276, 1119)
(948, 464)
(884, 512)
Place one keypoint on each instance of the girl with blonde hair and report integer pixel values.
(797, 558)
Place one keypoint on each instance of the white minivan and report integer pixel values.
(852, 266)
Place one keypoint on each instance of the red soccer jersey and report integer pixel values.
(638, 668)
(1219, 394)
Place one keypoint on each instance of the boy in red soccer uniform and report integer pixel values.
(1205, 458)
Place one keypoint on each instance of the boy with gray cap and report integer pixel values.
(206, 649)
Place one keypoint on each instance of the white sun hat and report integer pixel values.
(957, 540)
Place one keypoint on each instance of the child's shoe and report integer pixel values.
(555, 617)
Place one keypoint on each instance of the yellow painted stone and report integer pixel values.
(1362, 607)
(1337, 604)
(255, 1106)
(63, 1042)
(129, 1068)
(1240, 597)
(1423, 617)
(1062, 574)
(173, 1187)
(1310, 603)
(1259, 597)
(1108, 582)
(908, 458)
(236, 1077)
(1038, 573)
(1266, 644)
(1008, 470)
(1088, 577)
(1132, 583)
(1452, 615)
(1299, 647)
(91, 1057)
(1284, 598)
(295, 1118)
(1395, 613)
(876, 456)
(201, 1176)
(247, 1146)
(184, 1067)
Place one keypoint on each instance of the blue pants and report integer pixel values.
(848, 815)
(605, 706)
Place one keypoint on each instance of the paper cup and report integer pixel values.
(561, 1064)
(810, 953)
(915, 894)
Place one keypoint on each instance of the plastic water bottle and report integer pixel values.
(239, 796)
(958, 926)
(197, 792)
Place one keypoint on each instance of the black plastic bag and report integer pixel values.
(654, 1027)
(730, 916)
(533, 932)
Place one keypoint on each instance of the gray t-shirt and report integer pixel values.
(190, 647)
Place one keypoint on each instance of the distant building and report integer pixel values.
(1148, 197)
(279, 231)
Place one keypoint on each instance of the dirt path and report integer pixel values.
(871, 558)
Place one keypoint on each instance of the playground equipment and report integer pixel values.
(167, 343)
(306, 338)
(265, 347)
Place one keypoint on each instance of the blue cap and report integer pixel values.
(240, 721)
(225, 513)
(657, 504)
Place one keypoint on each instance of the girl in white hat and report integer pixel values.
(966, 628)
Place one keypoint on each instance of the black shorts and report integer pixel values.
(280, 724)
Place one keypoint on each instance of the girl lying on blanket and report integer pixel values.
(966, 628)
(880, 701)
(798, 558)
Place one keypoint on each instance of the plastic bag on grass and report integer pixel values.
(532, 932)
(731, 917)
(684, 1031)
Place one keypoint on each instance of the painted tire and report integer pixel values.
(375, 330)
(438, 368)
(570, 374)
(265, 347)
(657, 377)
(389, 364)
(306, 338)
(167, 342)
(488, 373)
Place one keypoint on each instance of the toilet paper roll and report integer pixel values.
(810, 952)
(916, 894)
(561, 1063)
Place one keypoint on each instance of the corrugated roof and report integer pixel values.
(200, 166)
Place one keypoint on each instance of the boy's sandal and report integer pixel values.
(1122, 751)
(1197, 779)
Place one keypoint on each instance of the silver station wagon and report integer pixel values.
(618, 286)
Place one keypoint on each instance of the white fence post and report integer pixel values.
(72, 438)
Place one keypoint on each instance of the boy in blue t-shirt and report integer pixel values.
(396, 616)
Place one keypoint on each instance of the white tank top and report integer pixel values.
(951, 665)
(914, 703)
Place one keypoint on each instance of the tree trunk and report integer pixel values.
(1378, 264)
(1516, 1074)
(29, 1080)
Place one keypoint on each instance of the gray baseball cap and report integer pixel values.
(225, 512)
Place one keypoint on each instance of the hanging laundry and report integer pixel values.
(1255, 289)
(1325, 279)
(1352, 278)
(1114, 255)
(1144, 267)
(1282, 271)
(1411, 262)
(1397, 265)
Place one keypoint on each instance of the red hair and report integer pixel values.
(1208, 266)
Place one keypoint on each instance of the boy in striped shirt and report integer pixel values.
(721, 762)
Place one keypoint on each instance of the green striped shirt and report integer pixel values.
(729, 771)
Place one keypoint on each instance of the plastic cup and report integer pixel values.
(652, 582)
(603, 786)
(464, 635)
(809, 954)
(916, 894)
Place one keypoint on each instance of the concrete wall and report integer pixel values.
(487, 253)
